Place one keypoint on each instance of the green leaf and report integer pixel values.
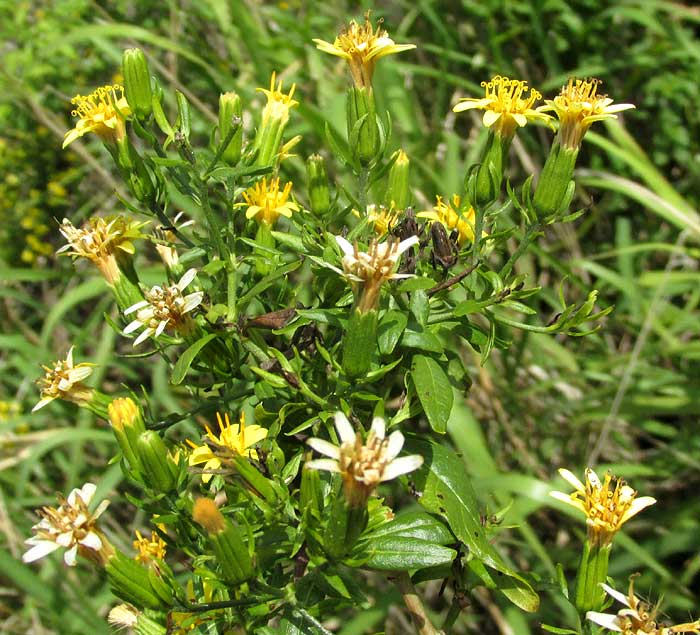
(447, 491)
(424, 340)
(391, 327)
(187, 358)
(403, 553)
(415, 525)
(434, 391)
(416, 284)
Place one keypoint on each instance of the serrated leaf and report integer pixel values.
(434, 391)
(187, 358)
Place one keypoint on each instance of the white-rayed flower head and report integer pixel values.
(607, 504)
(368, 270)
(637, 617)
(65, 381)
(363, 465)
(70, 526)
(164, 307)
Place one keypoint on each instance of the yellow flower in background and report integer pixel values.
(607, 505)
(102, 112)
(237, 438)
(449, 214)
(362, 45)
(65, 381)
(266, 202)
(577, 106)
(149, 549)
(506, 105)
(278, 102)
(383, 218)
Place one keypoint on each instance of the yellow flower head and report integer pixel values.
(65, 381)
(102, 241)
(266, 203)
(577, 106)
(506, 104)
(607, 505)
(101, 112)
(362, 45)
(449, 214)
(278, 102)
(383, 218)
(149, 550)
(237, 439)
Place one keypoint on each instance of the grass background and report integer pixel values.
(626, 398)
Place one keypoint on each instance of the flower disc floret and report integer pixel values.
(102, 112)
(64, 380)
(71, 526)
(164, 307)
(579, 105)
(607, 504)
(266, 202)
(237, 438)
(363, 465)
(362, 45)
(506, 105)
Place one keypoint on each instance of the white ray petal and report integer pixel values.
(327, 465)
(70, 556)
(404, 465)
(620, 597)
(324, 447)
(41, 549)
(345, 430)
(92, 541)
(572, 479)
(345, 245)
(394, 445)
(605, 620)
(378, 427)
(136, 307)
(187, 277)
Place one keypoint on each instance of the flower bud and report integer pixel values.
(317, 184)
(398, 192)
(225, 540)
(127, 424)
(230, 127)
(360, 342)
(363, 130)
(130, 581)
(555, 187)
(489, 175)
(137, 82)
(134, 171)
(159, 470)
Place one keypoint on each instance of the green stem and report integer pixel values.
(452, 614)
(530, 233)
(362, 185)
(214, 227)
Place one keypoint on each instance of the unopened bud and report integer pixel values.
(489, 175)
(127, 424)
(317, 184)
(158, 469)
(230, 127)
(363, 130)
(225, 540)
(398, 192)
(555, 187)
(137, 82)
(360, 342)
(130, 581)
